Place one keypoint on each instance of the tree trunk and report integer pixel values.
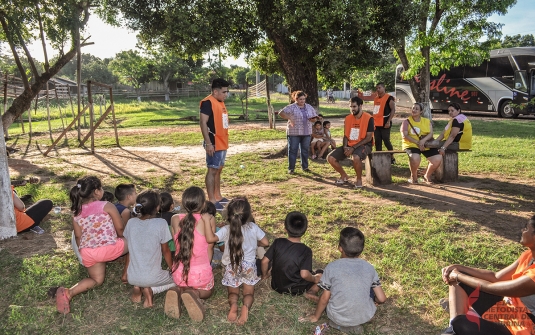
(300, 70)
(419, 85)
(23, 102)
(166, 86)
(8, 226)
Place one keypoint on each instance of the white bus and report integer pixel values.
(503, 84)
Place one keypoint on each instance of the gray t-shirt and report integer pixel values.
(145, 239)
(349, 280)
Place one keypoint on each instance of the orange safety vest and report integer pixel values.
(355, 129)
(22, 220)
(511, 312)
(379, 109)
(220, 122)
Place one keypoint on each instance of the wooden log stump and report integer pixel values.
(379, 167)
(449, 169)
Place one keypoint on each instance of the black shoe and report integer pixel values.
(393, 161)
(307, 170)
(448, 331)
(291, 172)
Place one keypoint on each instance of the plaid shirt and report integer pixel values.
(299, 118)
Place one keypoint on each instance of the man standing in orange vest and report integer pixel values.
(384, 108)
(214, 128)
(357, 142)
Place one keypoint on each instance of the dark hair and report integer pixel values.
(82, 192)
(147, 203)
(356, 100)
(209, 207)
(352, 241)
(124, 190)
(326, 123)
(380, 84)
(167, 202)
(532, 221)
(296, 224)
(239, 212)
(317, 122)
(421, 105)
(219, 83)
(107, 196)
(320, 115)
(456, 106)
(297, 94)
(193, 200)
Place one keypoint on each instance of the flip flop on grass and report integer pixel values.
(62, 301)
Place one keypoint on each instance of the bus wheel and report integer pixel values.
(507, 110)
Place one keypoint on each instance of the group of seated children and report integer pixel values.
(321, 138)
(351, 286)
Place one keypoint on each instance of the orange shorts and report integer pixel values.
(92, 256)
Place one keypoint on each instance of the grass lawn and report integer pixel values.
(411, 231)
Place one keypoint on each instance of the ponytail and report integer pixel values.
(147, 203)
(82, 192)
(239, 212)
(193, 202)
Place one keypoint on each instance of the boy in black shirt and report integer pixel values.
(291, 261)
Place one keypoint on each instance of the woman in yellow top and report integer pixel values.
(415, 131)
(458, 130)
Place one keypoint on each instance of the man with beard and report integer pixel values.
(357, 143)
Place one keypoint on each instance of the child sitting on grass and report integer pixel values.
(291, 261)
(147, 237)
(191, 265)
(126, 198)
(351, 287)
(98, 230)
(239, 258)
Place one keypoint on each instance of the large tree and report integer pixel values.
(22, 21)
(445, 33)
(518, 41)
(306, 35)
(132, 69)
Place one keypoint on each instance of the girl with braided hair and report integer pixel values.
(241, 239)
(192, 271)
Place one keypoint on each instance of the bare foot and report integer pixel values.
(147, 293)
(124, 279)
(243, 316)
(136, 295)
(233, 313)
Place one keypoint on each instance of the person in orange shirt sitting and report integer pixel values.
(357, 142)
(28, 219)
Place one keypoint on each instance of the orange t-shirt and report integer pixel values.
(511, 312)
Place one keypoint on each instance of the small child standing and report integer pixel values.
(291, 261)
(147, 238)
(126, 198)
(241, 239)
(347, 283)
(166, 213)
(191, 264)
(327, 134)
(98, 231)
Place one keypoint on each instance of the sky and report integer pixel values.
(111, 40)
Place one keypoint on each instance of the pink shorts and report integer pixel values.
(199, 277)
(92, 256)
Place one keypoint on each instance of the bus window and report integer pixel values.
(476, 71)
(520, 81)
(500, 67)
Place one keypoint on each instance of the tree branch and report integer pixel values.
(14, 50)
(42, 34)
(438, 15)
(27, 52)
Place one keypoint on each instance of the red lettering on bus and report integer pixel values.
(435, 85)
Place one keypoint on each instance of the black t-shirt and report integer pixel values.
(459, 125)
(288, 259)
(167, 217)
(206, 109)
(387, 110)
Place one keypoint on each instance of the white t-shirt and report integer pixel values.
(251, 235)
